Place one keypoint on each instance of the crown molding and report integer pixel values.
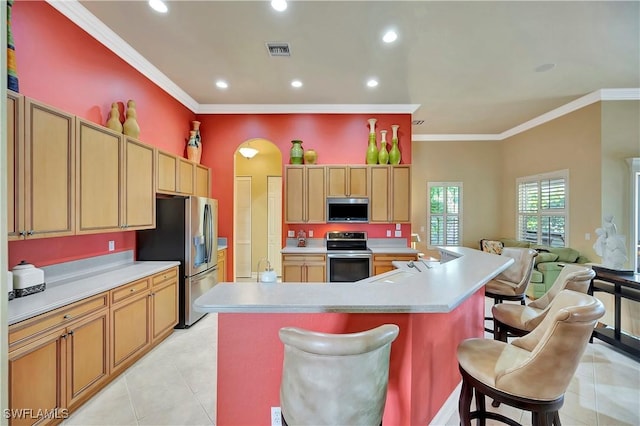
(79, 15)
(307, 108)
(593, 97)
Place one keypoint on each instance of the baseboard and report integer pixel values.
(449, 407)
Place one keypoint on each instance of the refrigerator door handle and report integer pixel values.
(210, 233)
(205, 226)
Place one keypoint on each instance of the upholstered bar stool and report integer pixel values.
(532, 372)
(335, 379)
(512, 283)
(517, 320)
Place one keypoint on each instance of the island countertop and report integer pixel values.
(439, 289)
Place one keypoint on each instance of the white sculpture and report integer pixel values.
(609, 245)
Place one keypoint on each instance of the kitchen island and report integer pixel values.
(435, 310)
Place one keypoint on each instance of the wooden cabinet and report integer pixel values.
(164, 306)
(305, 194)
(142, 313)
(58, 359)
(115, 181)
(130, 322)
(177, 175)
(41, 157)
(390, 190)
(347, 181)
(382, 262)
(304, 268)
(222, 265)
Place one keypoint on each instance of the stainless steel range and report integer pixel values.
(348, 258)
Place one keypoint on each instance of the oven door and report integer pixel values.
(348, 267)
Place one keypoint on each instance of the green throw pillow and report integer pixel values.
(508, 242)
(546, 257)
(565, 254)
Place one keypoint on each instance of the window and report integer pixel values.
(543, 208)
(444, 213)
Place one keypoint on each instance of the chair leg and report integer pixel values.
(481, 408)
(556, 419)
(464, 403)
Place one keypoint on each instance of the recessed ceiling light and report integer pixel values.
(279, 5)
(158, 6)
(221, 84)
(372, 82)
(390, 36)
(545, 67)
(296, 83)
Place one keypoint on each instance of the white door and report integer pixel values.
(243, 227)
(274, 221)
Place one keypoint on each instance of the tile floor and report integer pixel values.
(174, 384)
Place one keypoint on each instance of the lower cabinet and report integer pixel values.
(59, 359)
(222, 265)
(304, 268)
(382, 262)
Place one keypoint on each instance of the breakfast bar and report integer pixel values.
(436, 308)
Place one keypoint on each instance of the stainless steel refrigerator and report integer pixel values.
(187, 231)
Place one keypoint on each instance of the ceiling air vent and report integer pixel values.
(278, 49)
(417, 122)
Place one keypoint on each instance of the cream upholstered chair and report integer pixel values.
(333, 379)
(512, 283)
(532, 372)
(518, 320)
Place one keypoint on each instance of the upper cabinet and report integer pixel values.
(179, 176)
(347, 181)
(115, 175)
(390, 194)
(40, 169)
(304, 194)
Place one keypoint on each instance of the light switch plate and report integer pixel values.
(398, 233)
(397, 227)
(112, 245)
(388, 232)
(291, 234)
(310, 233)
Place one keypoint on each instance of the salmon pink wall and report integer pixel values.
(61, 65)
(337, 138)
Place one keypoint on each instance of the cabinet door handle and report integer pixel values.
(30, 232)
(64, 336)
(70, 333)
(22, 233)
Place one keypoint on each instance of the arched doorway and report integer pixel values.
(257, 209)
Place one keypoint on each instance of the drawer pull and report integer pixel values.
(132, 290)
(66, 317)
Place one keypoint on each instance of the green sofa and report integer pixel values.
(548, 262)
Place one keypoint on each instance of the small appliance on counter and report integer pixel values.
(10, 285)
(302, 238)
(27, 279)
(268, 275)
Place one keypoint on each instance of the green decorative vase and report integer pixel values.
(296, 154)
(372, 149)
(394, 153)
(383, 154)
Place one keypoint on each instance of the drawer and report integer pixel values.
(129, 290)
(392, 257)
(162, 277)
(222, 254)
(57, 318)
(304, 258)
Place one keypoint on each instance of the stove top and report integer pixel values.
(343, 241)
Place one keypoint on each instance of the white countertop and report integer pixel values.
(439, 289)
(323, 250)
(88, 285)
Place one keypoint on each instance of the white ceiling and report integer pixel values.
(468, 67)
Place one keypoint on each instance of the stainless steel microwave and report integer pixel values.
(347, 210)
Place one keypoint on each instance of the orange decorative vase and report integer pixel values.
(193, 149)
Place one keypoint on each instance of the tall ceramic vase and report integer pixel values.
(394, 153)
(114, 118)
(130, 126)
(198, 139)
(372, 149)
(296, 153)
(193, 152)
(383, 154)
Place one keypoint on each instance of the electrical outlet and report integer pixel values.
(398, 234)
(276, 418)
(397, 227)
(310, 233)
(291, 234)
(112, 245)
(388, 232)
